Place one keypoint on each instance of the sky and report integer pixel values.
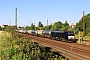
(33, 11)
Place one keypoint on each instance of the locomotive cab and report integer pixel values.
(71, 36)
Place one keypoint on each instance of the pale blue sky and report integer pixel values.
(41, 10)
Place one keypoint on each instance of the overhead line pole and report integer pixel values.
(16, 17)
(47, 24)
(9, 22)
(83, 24)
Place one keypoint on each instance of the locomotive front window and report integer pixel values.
(70, 34)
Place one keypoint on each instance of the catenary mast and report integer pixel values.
(16, 17)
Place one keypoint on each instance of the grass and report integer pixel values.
(84, 38)
(87, 37)
(16, 47)
(81, 34)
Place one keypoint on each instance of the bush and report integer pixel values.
(16, 47)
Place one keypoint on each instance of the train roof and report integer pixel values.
(58, 31)
(71, 31)
(46, 30)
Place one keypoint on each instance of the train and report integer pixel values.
(52, 34)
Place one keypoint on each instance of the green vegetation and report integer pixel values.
(32, 26)
(0, 27)
(87, 27)
(56, 26)
(87, 24)
(14, 46)
(40, 24)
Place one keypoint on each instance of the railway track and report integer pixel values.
(70, 50)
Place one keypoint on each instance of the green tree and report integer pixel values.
(87, 21)
(27, 27)
(57, 25)
(50, 26)
(66, 23)
(76, 28)
(40, 24)
(0, 28)
(80, 24)
(32, 26)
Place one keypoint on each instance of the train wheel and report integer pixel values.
(51, 38)
(67, 41)
(62, 39)
(43, 36)
(57, 39)
(74, 41)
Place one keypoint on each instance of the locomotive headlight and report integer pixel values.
(70, 37)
